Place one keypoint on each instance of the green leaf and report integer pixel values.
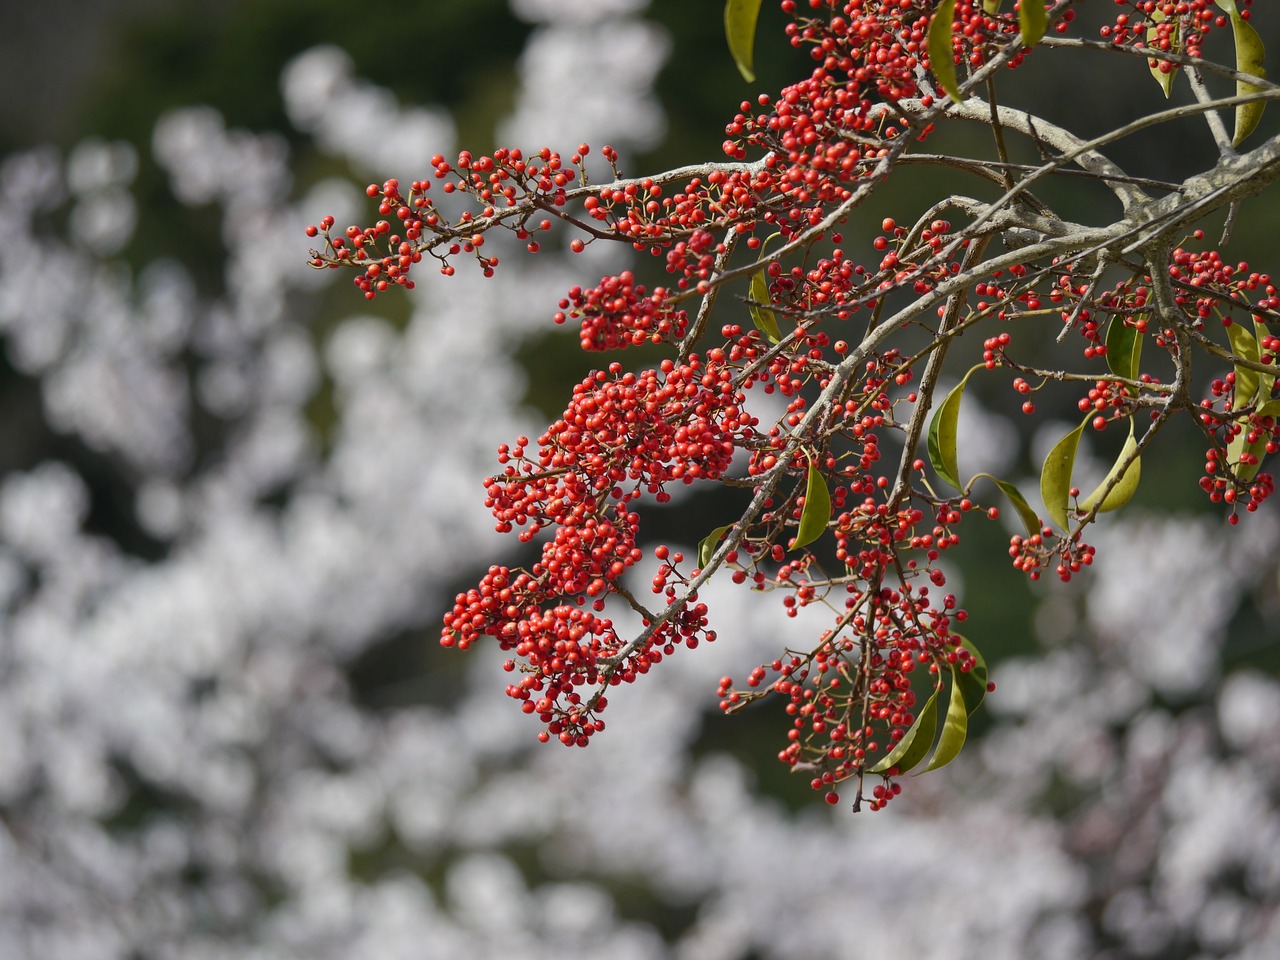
(1164, 79)
(1266, 381)
(1251, 58)
(1240, 444)
(763, 318)
(817, 508)
(1126, 487)
(709, 543)
(941, 53)
(942, 433)
(956, 725)
(1032, 21)
(973, 684)
(1030, 519)
(1124, 347)
(1055, 476)
(1244, 345)
(740, 30)
(991, 7)
(913, 747)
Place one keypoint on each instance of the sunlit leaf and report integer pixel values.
(1244, 344)
(942, 433)
(1124, 348)
(1032, 21)
(956, 725)
(740, 30)
(915, 743)
(1266, 381)
(991, 7)
(707, 548)
(1251, 58)
(817, 508)
(1164, 79)
(763, 317)
(941, 53)
(1240, 443)
(1125, 487)
(972, 683)
(1055, 476)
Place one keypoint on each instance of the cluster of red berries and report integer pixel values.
(1180, 26)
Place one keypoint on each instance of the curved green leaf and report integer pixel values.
(1250, 58)
(973, 684)
(1239, 444)
(1266, 381)
(1055, 476)
(1032, 21)
(941, 53)
(817, 508)
(991, 7)
(1125, 487)
(913, 747)
(1164, 79)
(1244, 344)
(1124, 348)
(1030, 519)
(707, 548)
(942, 433)
(763, 317)
(956, 725)
(740, 30)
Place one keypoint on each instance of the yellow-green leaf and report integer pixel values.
(991, 7)
(763, 317)
(1164, 79)
(1032, 21)
(1244, 345)
(1124, 348)
(1240, 443)
(707, 548)
(915, 743)
(941, 53)
(942, 433)
(1125, 487)
(1055, 476)
(740, 30)
(817, 508)
(956, 725)
(1251, 58)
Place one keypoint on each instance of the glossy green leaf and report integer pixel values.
(1124, 348)
(1030, 519)
(1055, 476)
(1240, 444)
(941, 52)
(956, 725)
(1164, 79)
(942, 433)
(740, 30)
(915, 743)
(817, 508)
(991, 7)
(973, 683)
(763, 317)
(1244, 344)
(1125, 487)
(707, 548)
(1032, 21)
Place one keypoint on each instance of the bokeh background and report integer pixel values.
(235, 500)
